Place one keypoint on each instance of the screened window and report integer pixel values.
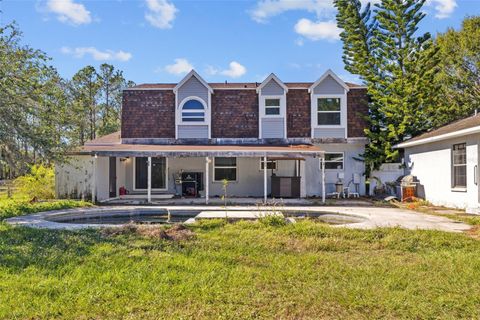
(225, 168)
(159, 173)
(459, 164)
(328, 111)
(272, 107)
(193, 111)
(334, 161)
(271, 164)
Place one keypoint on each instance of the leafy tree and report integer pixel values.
(30, 97)
(84, 88)
(460, 72)
(95, 98)
(111, 83)
(39, 183)
(380, 45)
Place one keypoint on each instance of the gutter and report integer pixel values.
(441, 137)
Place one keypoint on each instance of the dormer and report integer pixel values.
(272, 103)
(329, 107)
(193, 108)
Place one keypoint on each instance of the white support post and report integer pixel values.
(207, 179)
(149, 180)
(322, 163)
(94, 179)
(265, 179)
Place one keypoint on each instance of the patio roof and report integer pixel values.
(111, 146)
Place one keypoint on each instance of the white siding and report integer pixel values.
(329, 86)
(192, 132)
(272, 88)
(329, 133)
(193, 87)
(272, 128)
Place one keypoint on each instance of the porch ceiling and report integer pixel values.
(139, 150)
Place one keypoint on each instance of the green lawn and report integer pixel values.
(242, 270)
(18, 206)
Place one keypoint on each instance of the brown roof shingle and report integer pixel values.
(466, 123)
(233, 85)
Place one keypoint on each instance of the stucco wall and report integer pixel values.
(249, 176)
(351, 166)
(431, 164)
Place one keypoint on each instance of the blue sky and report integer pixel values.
(160, 40)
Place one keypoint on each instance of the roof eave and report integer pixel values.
(441, 137)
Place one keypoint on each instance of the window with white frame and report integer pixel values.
(272, 106)
(271, 164)
(459, 165)
(224, 169)
(193, 111)
(328, 111)
(158, 173)
(334, 160)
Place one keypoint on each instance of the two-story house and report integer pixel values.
(269, 139)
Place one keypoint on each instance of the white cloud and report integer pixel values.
(161, 13)
(327, 30)
(266, 9)
(181, 66)
(107, 55)
(444, 8)
(235, 70)
(69, 11)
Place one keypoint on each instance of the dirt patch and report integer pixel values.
(177, 232)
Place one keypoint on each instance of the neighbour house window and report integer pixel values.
(159, 173)
(271, 164)
(225, 168)
(459, 164)
(334, 161)
(193, 111)
(328, 111)
(272, 107)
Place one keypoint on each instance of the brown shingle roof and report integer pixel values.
(467, 123)
(233, 85)
(112, 138)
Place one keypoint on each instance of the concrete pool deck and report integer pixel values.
(371, 217)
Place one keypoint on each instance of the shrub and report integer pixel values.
(273, 220)
(11, 208)
(38, 184)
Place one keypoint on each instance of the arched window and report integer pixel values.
(193, 111)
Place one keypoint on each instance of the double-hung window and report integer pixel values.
(271, 164)
(225, 169)
(193, 111)
(272, 106)
(334, 160)
(459, 165)
(328, 111)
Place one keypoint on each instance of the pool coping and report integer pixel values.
(46, 220)
(373, 217)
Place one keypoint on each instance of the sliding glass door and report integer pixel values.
(159, 173)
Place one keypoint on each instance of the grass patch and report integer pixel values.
(241, 270)
(16, 207)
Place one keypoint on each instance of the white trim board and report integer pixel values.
(441, 137)
(153, 189)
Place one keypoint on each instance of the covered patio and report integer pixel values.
(246, 166)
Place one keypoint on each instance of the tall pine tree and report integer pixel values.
(398, 67)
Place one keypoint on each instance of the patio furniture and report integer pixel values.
(348, 193)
